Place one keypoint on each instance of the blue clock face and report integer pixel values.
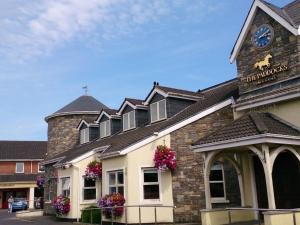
(263, 36)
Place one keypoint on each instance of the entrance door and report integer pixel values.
(286, 181)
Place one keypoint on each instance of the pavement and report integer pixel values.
(10, 219)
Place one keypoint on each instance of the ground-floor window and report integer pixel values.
(217, 182)
(65, 186)
(151, 186)
(116, 182)
(50, 192)
(89, 189)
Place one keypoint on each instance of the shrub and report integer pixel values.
(92, 211)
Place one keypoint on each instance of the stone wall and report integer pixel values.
(50, 189)
(285, 49)
(188, 182)
(63, 133)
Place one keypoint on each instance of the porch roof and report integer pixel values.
(252, 128)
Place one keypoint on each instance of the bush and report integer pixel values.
(93, 211)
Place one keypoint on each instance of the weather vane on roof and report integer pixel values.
(85, 88)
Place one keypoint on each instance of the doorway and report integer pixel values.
(286, 181)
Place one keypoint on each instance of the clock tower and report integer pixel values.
(267, 54)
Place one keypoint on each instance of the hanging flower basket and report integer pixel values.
(61, 204)
(94, 170)
(114, 201)
(164, 158)
(40, 181)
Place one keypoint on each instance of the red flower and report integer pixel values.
(164, 158)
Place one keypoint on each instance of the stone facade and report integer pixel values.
(50, 189)
(285, 50)
(63, 133)
(188, 181)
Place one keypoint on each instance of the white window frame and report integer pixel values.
(22, 163)
(50, 190)
(84, 135)
(61, 186)
(219, 199)
(156, 105)
(128, 121)
(105, 124)
(40, 171)
(88, 188)
(117, 185)
(150, 201)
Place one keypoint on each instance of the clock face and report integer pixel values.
(263, 36)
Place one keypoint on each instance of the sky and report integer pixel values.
(50, 49)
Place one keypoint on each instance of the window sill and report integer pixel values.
(219, 201)
(151, 202)
(87, 202)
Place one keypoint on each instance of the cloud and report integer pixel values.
(37, 27)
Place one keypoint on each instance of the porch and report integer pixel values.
(264, 151)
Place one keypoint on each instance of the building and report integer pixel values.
(263, 141)
(126, 145)
(19, 168)
(236, 143)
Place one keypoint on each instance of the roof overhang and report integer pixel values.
(246, 141)
(266, 100)
(81, 157)
(257, 4)
(127, 103)
(20, 160)
(156, 90)
(51, 161)
(71, 113)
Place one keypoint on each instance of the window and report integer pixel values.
(19, 167)
(104, 129)
(89, 189)
(151, 187)
(158, 111)
(116, 182)
(216, 182)
(129, 120)
(84, 135)
(65, 186)
(41, 168)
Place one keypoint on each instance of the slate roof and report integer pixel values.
(18, 178)
(110, 111)
(134, 101)
(22, 150)
(249, 125)
(84, 103)
(122, 140)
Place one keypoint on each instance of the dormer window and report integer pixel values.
(84, 135)
(158, 111)
(105, 129)
(128, 120)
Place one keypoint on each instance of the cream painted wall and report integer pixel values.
(76, 173)
(132, 165)
(287, 110)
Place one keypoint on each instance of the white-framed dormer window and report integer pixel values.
(116, 182)
(150, 184)
(84, 135)
(217, 183)
(89, 189)
(105, 129)
(158, 111)
(128, 120)
(41, 168)
(65, 186)
(19, 167)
